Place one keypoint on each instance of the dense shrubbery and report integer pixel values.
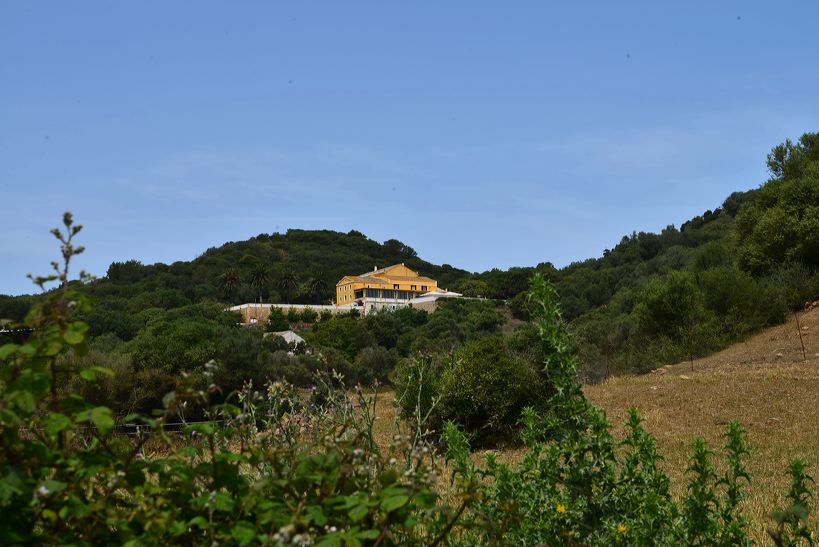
(482, 387)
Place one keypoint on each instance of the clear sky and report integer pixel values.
(483, 134)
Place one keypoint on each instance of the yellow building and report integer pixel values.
(394, 284)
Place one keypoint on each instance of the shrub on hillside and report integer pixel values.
(309, 315)
(519, 306)
(277, 321)
(293, 315)
(295, 369)
(341, 333)
(482, 387)
(374, 363)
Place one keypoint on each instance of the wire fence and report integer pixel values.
(136, 430)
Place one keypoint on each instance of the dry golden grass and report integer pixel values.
(777, 406)
(763, 383)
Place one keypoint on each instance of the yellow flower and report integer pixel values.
(622, 528)
(560, 508)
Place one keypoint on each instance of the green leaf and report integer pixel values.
(199, 522)
(243, 532)
(88, 374)
(6, 350)
(223, 502)
(103, 418)
(50, 487)
(358, 512)
(56, 423)
(75, 333)
(104, 371)
(394, 502)
(24, 400)
(178, 528)
(368, 534)
(37, 383)
(316, 515)
(331, 540)
(100, 416)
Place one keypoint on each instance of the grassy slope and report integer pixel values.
(763, 383)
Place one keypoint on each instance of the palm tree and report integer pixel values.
(317, 286)
(288, 282)
(259, 277)
(228, 282)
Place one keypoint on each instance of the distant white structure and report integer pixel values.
(289, 336)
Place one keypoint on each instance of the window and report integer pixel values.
(423, 287)
(413, 287)
(395, 287)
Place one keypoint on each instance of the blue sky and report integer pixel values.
(483, 134)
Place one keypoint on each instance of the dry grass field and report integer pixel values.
(763, 383)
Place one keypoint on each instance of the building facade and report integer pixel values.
(392, 285)
(388, 288)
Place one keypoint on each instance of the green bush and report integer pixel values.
(293, 315)
(484, 388)
(341, 333)
(298, 370)
(308, 315)
(374, 363)
(276, 321)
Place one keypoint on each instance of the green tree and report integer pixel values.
(277, 321)
(259, 278)
(288, 283)
(673, 306)
(780, 224)
(474, 288)
(229, 282)
(317, 287)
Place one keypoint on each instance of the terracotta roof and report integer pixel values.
(370, 277)
(379, 270)
(359, 279)
(410, 278)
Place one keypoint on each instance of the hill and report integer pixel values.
(653, 299)
(298, 266)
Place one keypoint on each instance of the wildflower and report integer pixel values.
(622, 528)
(560, 508)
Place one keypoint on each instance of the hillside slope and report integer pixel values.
(763, 383)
